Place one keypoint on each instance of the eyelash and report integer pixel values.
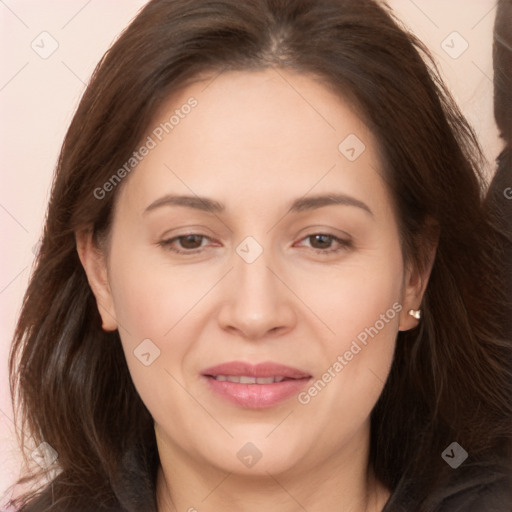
(343, 244)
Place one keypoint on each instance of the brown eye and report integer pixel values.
(325, 244)
(190, 241)
(321, 241)
(186, 244)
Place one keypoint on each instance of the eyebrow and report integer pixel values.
(319, 201)
(299, 205)
(196, 202)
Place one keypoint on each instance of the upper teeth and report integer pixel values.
(243, 379)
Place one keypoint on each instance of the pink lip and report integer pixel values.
(256, 396)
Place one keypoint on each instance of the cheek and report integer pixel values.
(356, 295)
(361, 304)
(149, 302)
(150, 298)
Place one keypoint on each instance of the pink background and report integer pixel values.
(38, 97)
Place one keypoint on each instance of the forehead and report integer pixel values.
(252, 136)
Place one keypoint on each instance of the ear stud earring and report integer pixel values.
(416, 313)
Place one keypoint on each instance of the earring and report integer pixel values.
(416, 313)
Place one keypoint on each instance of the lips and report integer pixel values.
(261, 370)
(255, 386)
(246, 379)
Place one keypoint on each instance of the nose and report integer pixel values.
(258, 304)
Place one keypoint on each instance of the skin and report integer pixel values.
(256, 142)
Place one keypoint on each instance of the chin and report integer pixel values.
(258, 455)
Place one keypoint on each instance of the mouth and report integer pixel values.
(246, 379)
(255, 386)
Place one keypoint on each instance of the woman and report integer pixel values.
(266, 280)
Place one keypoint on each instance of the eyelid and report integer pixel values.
(187, 230)
(343, 242)
(323, 230)
(167, 243)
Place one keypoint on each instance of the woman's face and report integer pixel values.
(257, 240)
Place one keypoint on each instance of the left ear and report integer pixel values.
(416, 280)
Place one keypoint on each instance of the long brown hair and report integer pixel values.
(451, 377)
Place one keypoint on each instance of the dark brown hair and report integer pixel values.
(499, 195)
(451, 377)
(502, 59)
